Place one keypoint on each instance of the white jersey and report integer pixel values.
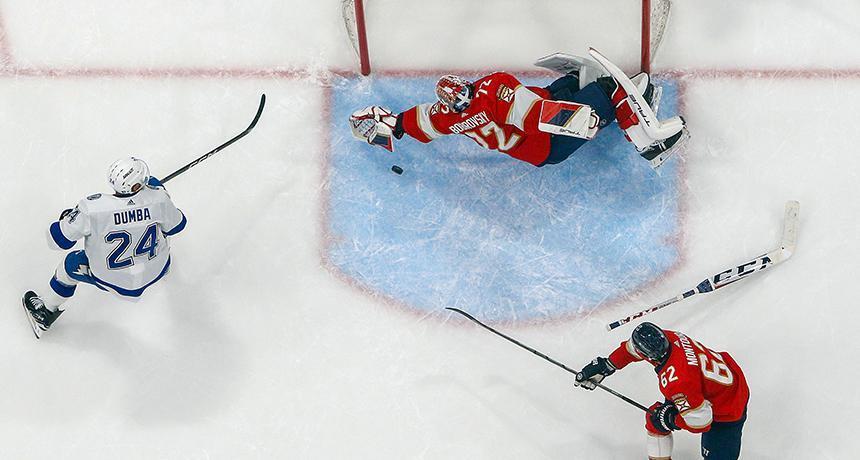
(124, 237)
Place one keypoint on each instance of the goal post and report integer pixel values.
(655, 17)
(353, 17)
(652, 23)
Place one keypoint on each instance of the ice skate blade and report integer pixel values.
(37, 330)
(658, 161)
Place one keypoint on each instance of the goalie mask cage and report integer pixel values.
(654, 18)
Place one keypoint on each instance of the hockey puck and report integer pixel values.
(397, 169)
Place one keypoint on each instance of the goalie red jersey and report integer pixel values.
(541, 126)
(502, 115)
(706, 386)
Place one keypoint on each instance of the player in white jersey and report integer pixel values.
(125, 245)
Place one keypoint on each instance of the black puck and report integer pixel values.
(397, 169)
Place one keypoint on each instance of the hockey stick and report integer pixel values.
(572, 371)
(729, 276)
(222, 146)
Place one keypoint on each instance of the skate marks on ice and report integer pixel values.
(479, 230)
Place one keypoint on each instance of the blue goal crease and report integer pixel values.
(479, 230)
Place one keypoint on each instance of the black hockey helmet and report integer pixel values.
(650, 341)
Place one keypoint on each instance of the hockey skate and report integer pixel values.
(38, 314)
(662, 150)
(658, 153)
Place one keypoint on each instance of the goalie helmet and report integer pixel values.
(127, 176)
(455, 92)
(651, 342)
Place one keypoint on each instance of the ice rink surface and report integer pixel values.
(257, 346)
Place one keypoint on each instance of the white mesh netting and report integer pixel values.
(659, 18)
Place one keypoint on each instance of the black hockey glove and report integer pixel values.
(594, 372)
(663, 417)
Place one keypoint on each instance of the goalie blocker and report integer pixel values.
(568, 119)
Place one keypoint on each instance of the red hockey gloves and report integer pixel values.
(594, 372)
(660, 418)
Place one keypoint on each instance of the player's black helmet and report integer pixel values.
(650, 341)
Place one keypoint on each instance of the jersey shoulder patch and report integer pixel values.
(505, 93)
(435, 108)
(680, 400)
(94, 196)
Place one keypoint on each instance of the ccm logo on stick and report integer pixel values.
(735, 274)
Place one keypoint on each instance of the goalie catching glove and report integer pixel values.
(375, 125)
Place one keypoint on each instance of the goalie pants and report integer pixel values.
(566, 88)
(723, 440)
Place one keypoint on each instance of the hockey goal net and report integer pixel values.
(652, 25)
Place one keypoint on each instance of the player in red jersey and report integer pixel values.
(705, 391)
(537, 125)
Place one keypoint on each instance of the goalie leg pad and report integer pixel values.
(634, 111)
(584, 69)
(632, 123)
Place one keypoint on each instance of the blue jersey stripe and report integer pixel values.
(61, 289)
(179, 227)
(59, 238)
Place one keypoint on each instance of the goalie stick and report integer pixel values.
(737, 273)
(572, 371)
(222, 146)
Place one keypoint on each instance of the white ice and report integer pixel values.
(251, 349)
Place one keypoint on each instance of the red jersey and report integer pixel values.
(705, 385)
(503, 115)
